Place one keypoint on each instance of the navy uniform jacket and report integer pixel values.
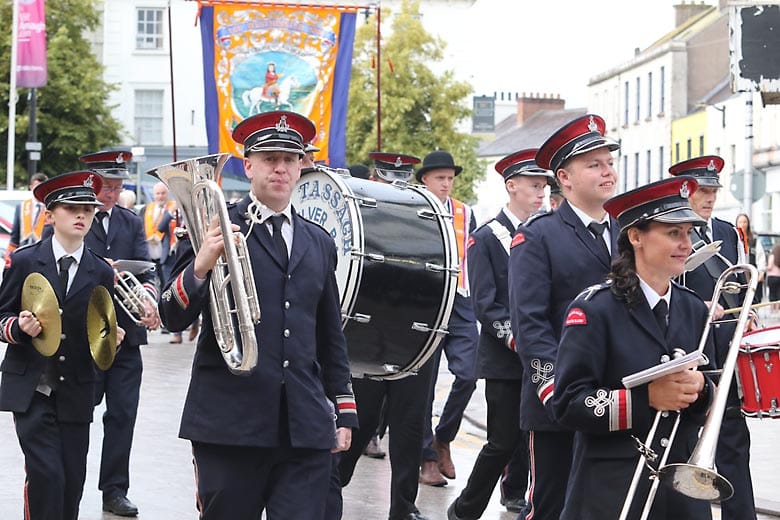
(72, 363)
(603, 341)
(125, 241)
(553, 258)
(301, 347)
(488, 259)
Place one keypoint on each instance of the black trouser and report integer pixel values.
(239, 482)
(551, 454)
(55, 460)
(504, 439)
(406, 405)
(121, 385)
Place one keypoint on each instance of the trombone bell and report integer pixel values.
(696, 482)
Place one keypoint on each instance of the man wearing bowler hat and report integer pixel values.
(404, 410)
(505, 455)
(733, 451)
(117, 233)
(263, 442)
(438, 173)
(553, 257)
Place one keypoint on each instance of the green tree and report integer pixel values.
(73, 114)
(420, 109)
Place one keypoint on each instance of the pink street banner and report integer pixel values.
(31, 70)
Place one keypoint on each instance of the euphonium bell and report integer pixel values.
(235, 307)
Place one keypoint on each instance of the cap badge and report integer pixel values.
(592, 126)
(88, 182)
(684, 190)
(120, 158)
(282, 125)
(398, 162)
(711, 166)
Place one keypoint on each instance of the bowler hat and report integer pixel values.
(436, 160)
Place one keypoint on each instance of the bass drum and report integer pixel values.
(397, 267)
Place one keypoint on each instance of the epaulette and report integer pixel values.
(536, 216)
(588, 292)
(100, 257)
(26, 246)
(684, 288)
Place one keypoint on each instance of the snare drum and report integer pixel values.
(758, 367)
(397, 267)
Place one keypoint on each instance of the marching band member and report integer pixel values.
(263, 442)
(733, 451)
(438, 174)
(29, 219)
(623, 326)
(404, 407)
(52, 398)
(554, 257)
(117, 233)
(498, 364)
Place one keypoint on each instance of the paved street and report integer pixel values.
(162, 483)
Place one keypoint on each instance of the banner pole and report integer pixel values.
(12, 98)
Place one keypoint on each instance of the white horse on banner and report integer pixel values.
(278, 100)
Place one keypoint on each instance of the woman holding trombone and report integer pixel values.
(636, 320)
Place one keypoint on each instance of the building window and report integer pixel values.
(701, 145)
(625, 172)
(662, 106)
(676, 152)
(649, 95)
(660, 162)
(625, 109)
(638, 85)
(149, 34)
(636, 170)
(649, 164)
(689, 148)
(149, 117)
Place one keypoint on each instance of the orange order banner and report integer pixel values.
(275, 58)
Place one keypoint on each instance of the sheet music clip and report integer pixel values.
(702, 251)
(689, 360)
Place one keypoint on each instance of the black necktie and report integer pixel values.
(597, 228)
(100, 216)
(281, 245)
(65, 262)
(703, 232)
(660, 310)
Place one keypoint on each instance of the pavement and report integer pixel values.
(162, 481)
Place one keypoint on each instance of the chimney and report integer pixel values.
(529, 104)
(685, 11)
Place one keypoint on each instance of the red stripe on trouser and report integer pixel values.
(198, 503)
(532, 461)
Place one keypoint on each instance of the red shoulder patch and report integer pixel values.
(518, 239)
(7, 260)
(576, 316)
(471, 242)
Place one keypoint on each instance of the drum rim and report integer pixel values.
(754, 347)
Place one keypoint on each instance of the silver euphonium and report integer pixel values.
(235, 307)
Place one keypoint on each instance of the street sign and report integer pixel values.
(32, 146)
(737, 185)
(35, 156)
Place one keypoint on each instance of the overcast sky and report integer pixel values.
(547, 46)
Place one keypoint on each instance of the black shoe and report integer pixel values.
(515, 505)
(451, 514)
(120, 506)
(414, 515)
(374, 450)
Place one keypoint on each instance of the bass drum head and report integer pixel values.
(323, 197)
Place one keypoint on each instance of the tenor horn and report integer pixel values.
(697, 478)
(235, 307)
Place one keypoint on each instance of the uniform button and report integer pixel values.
(286, 305)
(62, 378)
(664, 442)
(289, 277)
(286, 333)
(286, 363)
(62, 358)
(63, 337)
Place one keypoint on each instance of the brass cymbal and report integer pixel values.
(39, 297)
(101, 327)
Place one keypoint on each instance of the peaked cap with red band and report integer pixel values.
(394, 166)
(70, 188)
(705, 169)
(110, 164)
(582, 135)
(663, 201)
(521, 163)
(278, 131)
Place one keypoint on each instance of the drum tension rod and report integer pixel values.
(436, 268)
(371, 257)
(432, 215)
(362, 201)
(423, 327)
(360, 318)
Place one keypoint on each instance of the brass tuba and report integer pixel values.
(235, 307)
